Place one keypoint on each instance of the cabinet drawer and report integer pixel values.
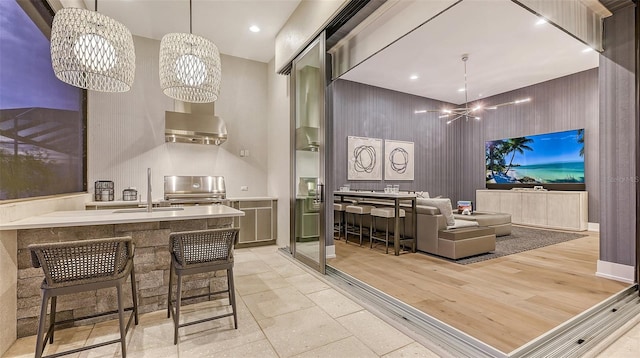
(255, 204)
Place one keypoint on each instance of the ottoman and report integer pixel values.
(500, 222)
(464, 242)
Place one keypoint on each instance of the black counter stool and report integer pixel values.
(78, 266)
(194, 252)
(386, 213)
(340, 225)
(358, 211)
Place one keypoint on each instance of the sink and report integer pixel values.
(144, 210)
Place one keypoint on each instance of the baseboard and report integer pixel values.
(593, 227)
(614, 271)
(331, 251)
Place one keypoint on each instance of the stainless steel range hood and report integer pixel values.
(307, 139)
(196, 123)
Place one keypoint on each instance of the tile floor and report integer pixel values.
(284, 310)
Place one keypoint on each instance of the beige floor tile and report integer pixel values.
(349, 347)
(66, 339)
(22, 348)
(625, 347)
(257, 349)
(288, 270)
(300, 331)
(250, 284)
(169, 351)
(244, 255)
(374, 332)
(250, 268)
(414, 349)
(306, 283)
(276, 302)
(334, 303)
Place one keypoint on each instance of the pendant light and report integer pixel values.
(92, 51)
(189, 66)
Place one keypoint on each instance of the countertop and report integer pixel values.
(155, 202)
(121, 216)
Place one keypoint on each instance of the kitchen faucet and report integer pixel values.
(149, 202)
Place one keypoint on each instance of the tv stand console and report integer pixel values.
(567, 210)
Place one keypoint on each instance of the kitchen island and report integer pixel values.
(150, 232)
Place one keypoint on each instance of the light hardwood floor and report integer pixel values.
(504, 302)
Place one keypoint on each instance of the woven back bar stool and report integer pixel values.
(78, 266)
(194, 252)
(386, 213)
(358, 211)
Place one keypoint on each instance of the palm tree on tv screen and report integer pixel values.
(516, 145)
(581, 141)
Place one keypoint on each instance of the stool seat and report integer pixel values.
(340, 206)
(359, 209)
(386, 212)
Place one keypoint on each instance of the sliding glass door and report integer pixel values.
(308, 155)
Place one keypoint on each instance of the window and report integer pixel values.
(42, 119)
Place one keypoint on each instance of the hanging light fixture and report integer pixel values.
(189, 66)
(467, 112)
(92, 51)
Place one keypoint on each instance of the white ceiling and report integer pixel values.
(507, 51)
(225, 22)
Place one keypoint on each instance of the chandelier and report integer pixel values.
(467, 112)
(92, 51)
(189, 66)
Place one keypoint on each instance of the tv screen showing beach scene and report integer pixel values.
(550, 158)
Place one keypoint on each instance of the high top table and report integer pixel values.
(396, 198)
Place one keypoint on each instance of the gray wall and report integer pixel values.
(618, 139)
(565, 103)
(449, 159)
(366, 111)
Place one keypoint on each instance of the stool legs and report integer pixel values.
(52, 316)
(232, 296)
(170, 289)
(176, 316)
(41, 322)
(123, 331)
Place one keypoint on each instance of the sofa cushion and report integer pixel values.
(427, 210)
(443, 204)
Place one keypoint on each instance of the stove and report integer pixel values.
(194, 190)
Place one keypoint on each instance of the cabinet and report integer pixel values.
(566, 210)
(258, 226)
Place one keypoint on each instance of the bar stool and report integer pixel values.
(78, 266)
(194, 252)
(340, 226)
(386, 213)
(357, 211)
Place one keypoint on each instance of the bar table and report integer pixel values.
(396, 198)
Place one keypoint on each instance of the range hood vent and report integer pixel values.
(198, 128)
(307, 139)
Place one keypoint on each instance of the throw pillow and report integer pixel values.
(422, 194)
(443, 204)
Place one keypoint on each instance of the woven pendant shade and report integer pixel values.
(92, 51)
(189, 68)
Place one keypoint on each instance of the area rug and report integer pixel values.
(522, 239)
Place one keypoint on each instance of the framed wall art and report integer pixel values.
(364, 158)
(398, 160)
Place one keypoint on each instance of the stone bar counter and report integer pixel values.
(150, 233)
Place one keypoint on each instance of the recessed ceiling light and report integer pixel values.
(420, 111)
(413, 77)
(588, 49)
(461, 89)
(541, 21)
(254, 28)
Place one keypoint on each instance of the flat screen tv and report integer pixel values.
(551, 160)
